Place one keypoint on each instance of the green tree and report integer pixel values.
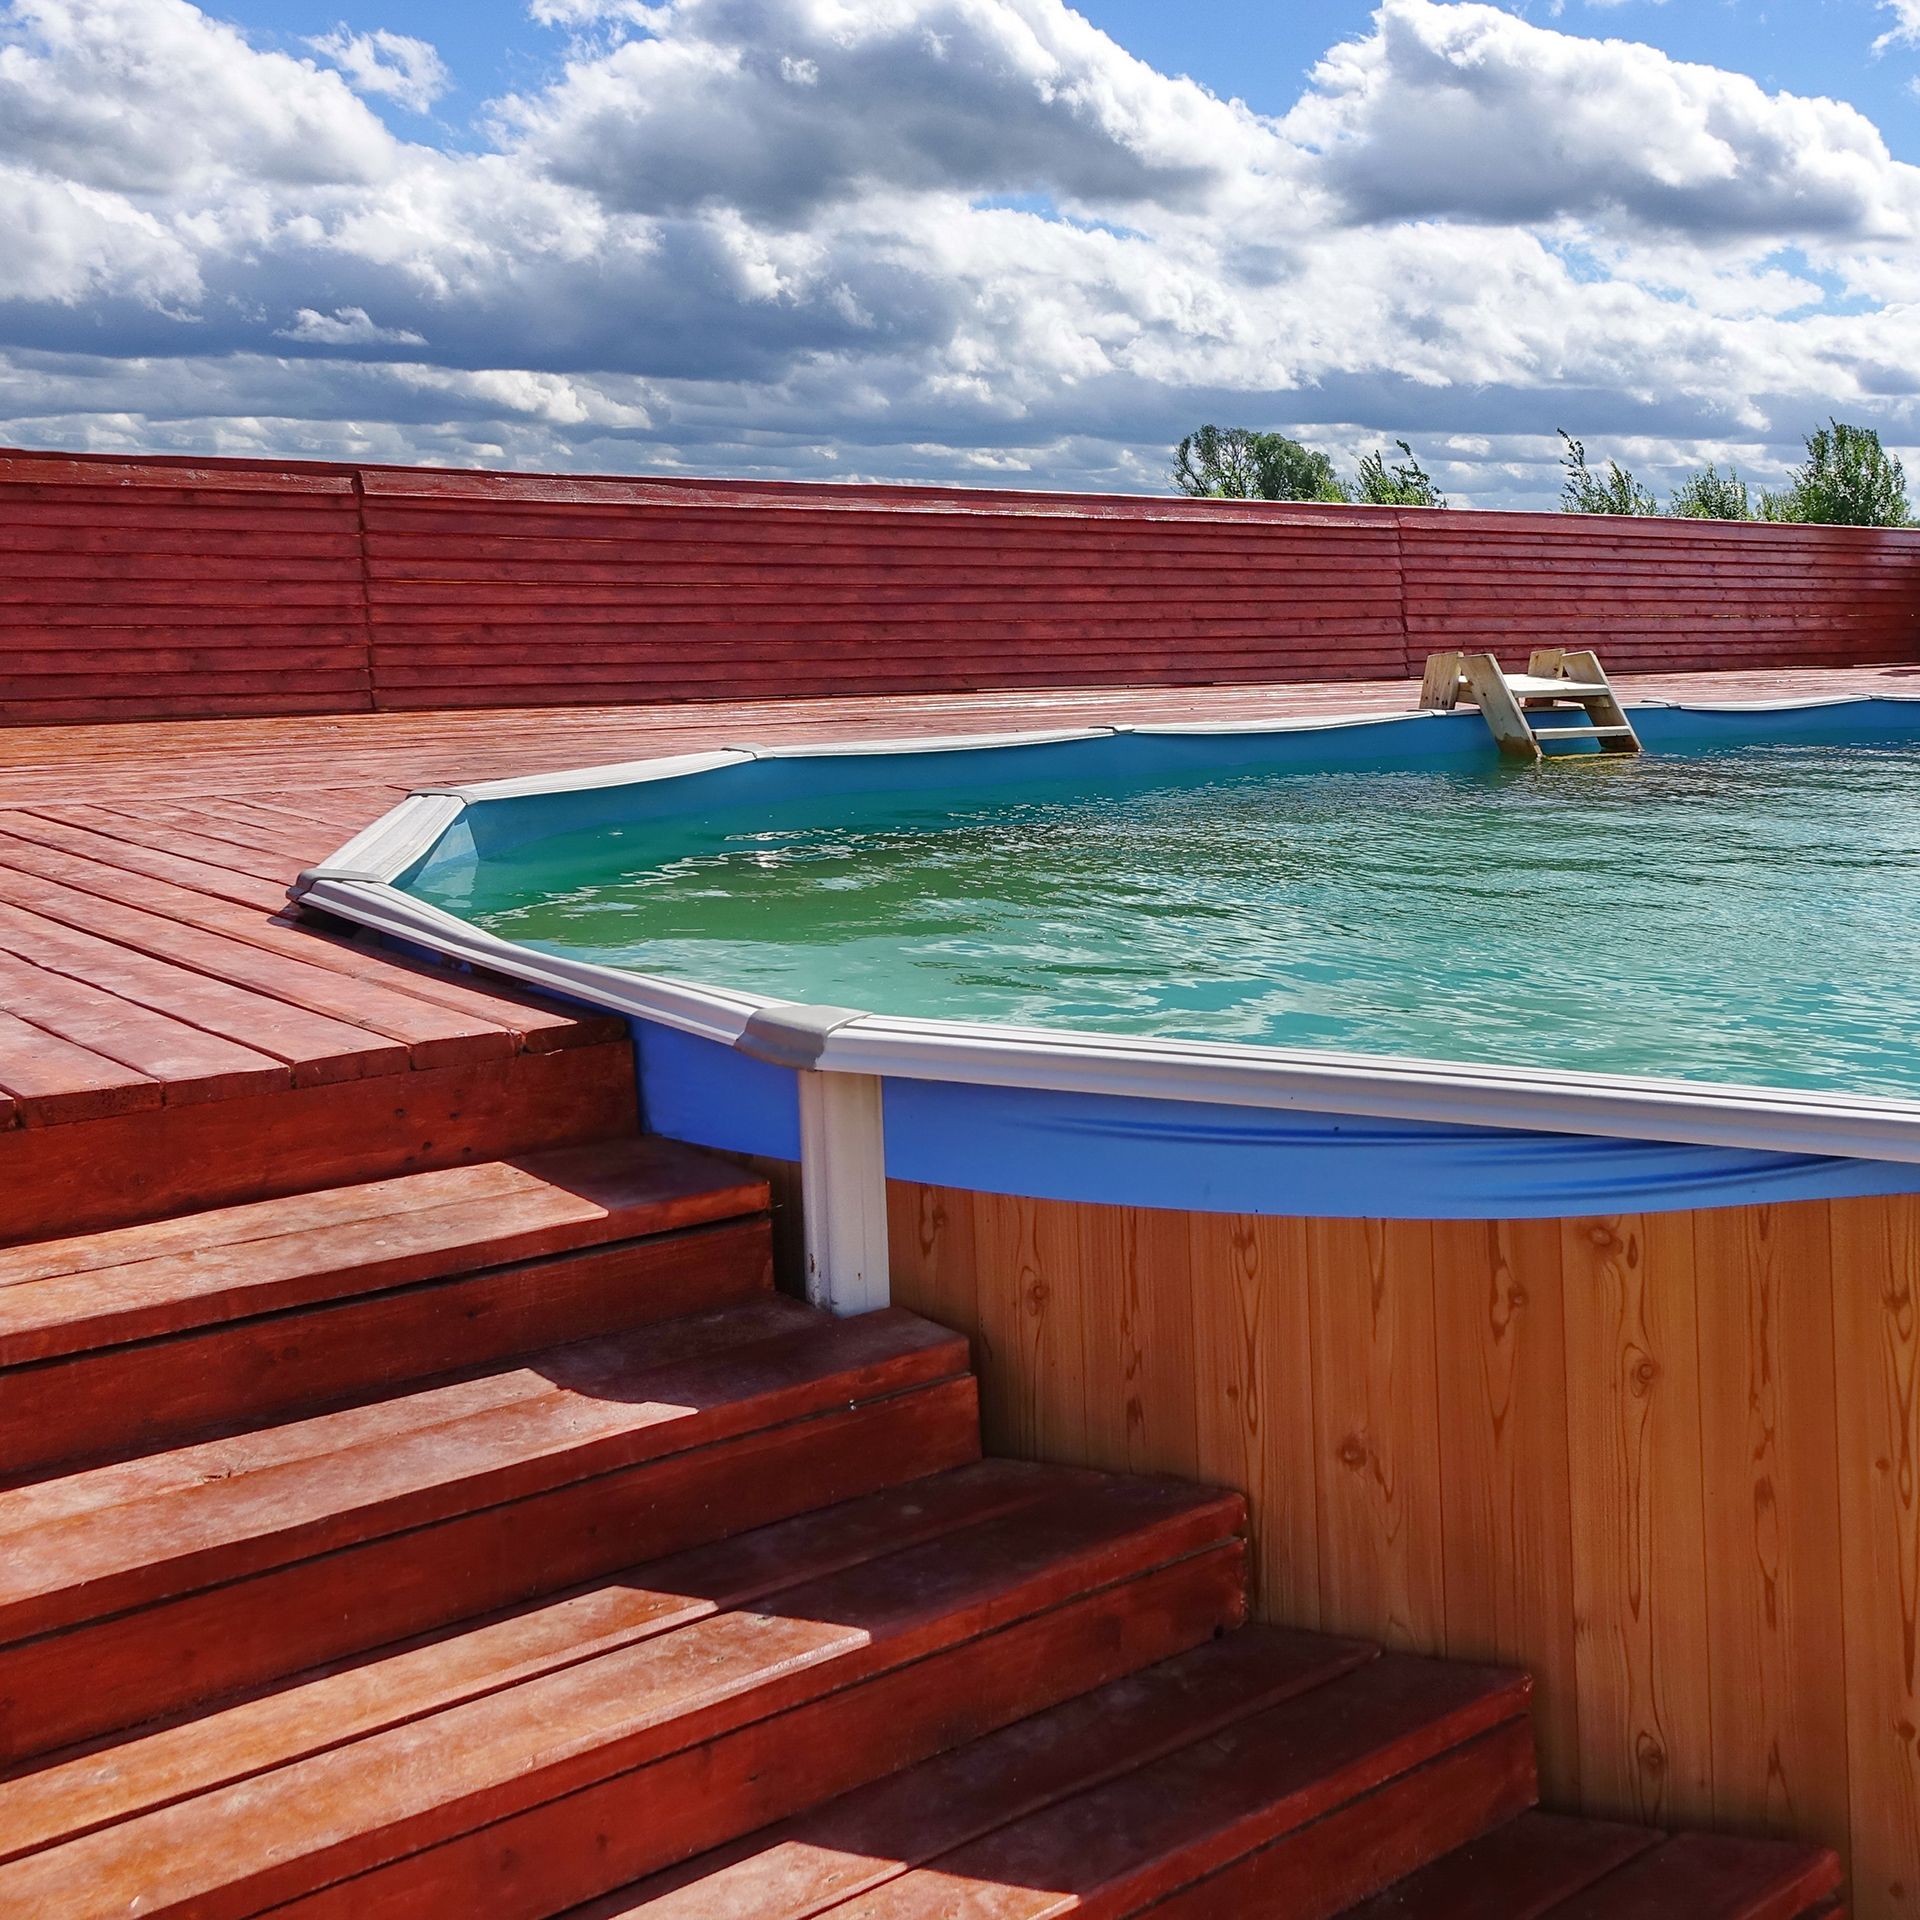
(1848, 480)
(1584, 491)
(1235, 463)
(1712, 495)
(1404, 484)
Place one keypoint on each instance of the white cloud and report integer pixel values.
(1467, 112)
(347, 327)
(153, 96)
(1905, 30)
(404, 69)
(929, 238)
(779, 108)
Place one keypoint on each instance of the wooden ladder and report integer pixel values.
(1557, 680)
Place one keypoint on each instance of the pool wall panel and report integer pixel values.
(1670, 1463)
(149, 587)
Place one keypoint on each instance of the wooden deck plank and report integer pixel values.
(73, 1796)
(51, 1079)
(281, 931)
(185, 1062)
(432, 1035)
(318, 1049)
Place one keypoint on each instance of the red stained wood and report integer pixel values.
(183, 1062)
(222, 1509)
(114, 1402)
(880, 1832)
(317, 1047)
(407, 589)
(531, 1864)
(1147, 1835)
(139, 1166)
(238, 1848)
(1311, 1873)
(1520, 1871)
(600, 1191)
(73, 1796)
(49, 1079)
(431, 1033)
(230, 1638)
(1699, 1876)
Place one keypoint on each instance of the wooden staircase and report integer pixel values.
(496, 1542)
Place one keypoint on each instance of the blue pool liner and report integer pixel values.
(1200, 1157)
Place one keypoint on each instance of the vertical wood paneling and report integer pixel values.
(1031, 1303)
(1500, 1333)
(1247, 1289)
(1377, 1424)
(930, 1236)
(1670, 1463)
(1772, 1517)
(1876, 1298)
(1137, 1340)
(1639, 1574)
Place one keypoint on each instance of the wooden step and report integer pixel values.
(217, 1566)
(129, 1340)
(525, 1763)
(1550, 1867)
(876, 1834)
(1276, 1774)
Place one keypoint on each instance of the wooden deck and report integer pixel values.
(156, 985)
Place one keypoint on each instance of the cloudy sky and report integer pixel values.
(995, 241)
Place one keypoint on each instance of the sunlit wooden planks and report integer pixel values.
(1669, 1463)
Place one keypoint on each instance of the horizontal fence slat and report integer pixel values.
(184, 587)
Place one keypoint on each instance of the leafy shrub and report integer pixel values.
(1712, 495)
(1404, 484)
(1584, 491)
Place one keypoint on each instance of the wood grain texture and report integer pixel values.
(336, 588)
(1499, 1329)
(1634, 1489)
(1670, 1464)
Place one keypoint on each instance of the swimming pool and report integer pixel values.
(1351, 969)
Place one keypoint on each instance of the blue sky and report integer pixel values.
(997, 241)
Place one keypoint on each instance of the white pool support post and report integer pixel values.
(843, 1191)
(843, 1158)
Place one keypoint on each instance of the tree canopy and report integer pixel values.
(1847, 480)
(1236, 463)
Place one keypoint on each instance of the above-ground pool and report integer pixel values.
(1353, 968)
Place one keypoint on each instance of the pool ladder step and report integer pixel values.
(1517, 706)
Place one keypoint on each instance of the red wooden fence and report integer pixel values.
(136, 588)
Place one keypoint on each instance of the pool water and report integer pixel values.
(1750, 915)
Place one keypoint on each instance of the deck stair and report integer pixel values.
(1563, 699)
(497, 1542)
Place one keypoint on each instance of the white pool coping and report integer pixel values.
(356, 884)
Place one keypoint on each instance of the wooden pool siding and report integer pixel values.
(1669, 1463)
(146, 588)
